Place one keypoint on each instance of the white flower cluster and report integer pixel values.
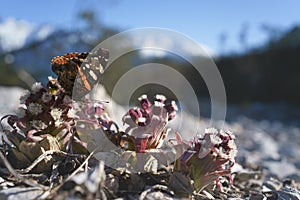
(36, 87)
(46, 97)
(38, 124)
(209, 140)
(56, 114)
(24, 96)
(35, 108)
(72, 113)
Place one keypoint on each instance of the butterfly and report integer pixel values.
(79, 72)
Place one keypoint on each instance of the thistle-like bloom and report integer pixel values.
(38, 124)
(72, 113)
(49, 110)
(35, 108)
(56, 113)
(220, 143)
(147, 124)
(208, 157)
(36, 87)
(47, 97)
(24, 96)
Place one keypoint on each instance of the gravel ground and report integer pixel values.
(270, 146)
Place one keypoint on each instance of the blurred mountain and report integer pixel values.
(269, 73)
(15, 34)
(26, 50)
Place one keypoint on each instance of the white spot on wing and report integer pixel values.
(93, 75)
(100, 68)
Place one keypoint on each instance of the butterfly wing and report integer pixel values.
(79, 72)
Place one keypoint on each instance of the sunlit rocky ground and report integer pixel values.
(264, 143)
(271, 144)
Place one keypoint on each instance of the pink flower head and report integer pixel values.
(208, 157)
(147, 124)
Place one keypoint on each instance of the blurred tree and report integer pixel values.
(290, 38)
(269, 73)
(93, 31)
(273, 34)
(222, 43)
(243, 36)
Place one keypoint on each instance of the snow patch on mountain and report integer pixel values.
(14, 33)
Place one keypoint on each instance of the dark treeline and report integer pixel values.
(268, 76)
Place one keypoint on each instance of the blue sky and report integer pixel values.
(204, 21)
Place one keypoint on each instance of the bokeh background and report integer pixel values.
(255, 45)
